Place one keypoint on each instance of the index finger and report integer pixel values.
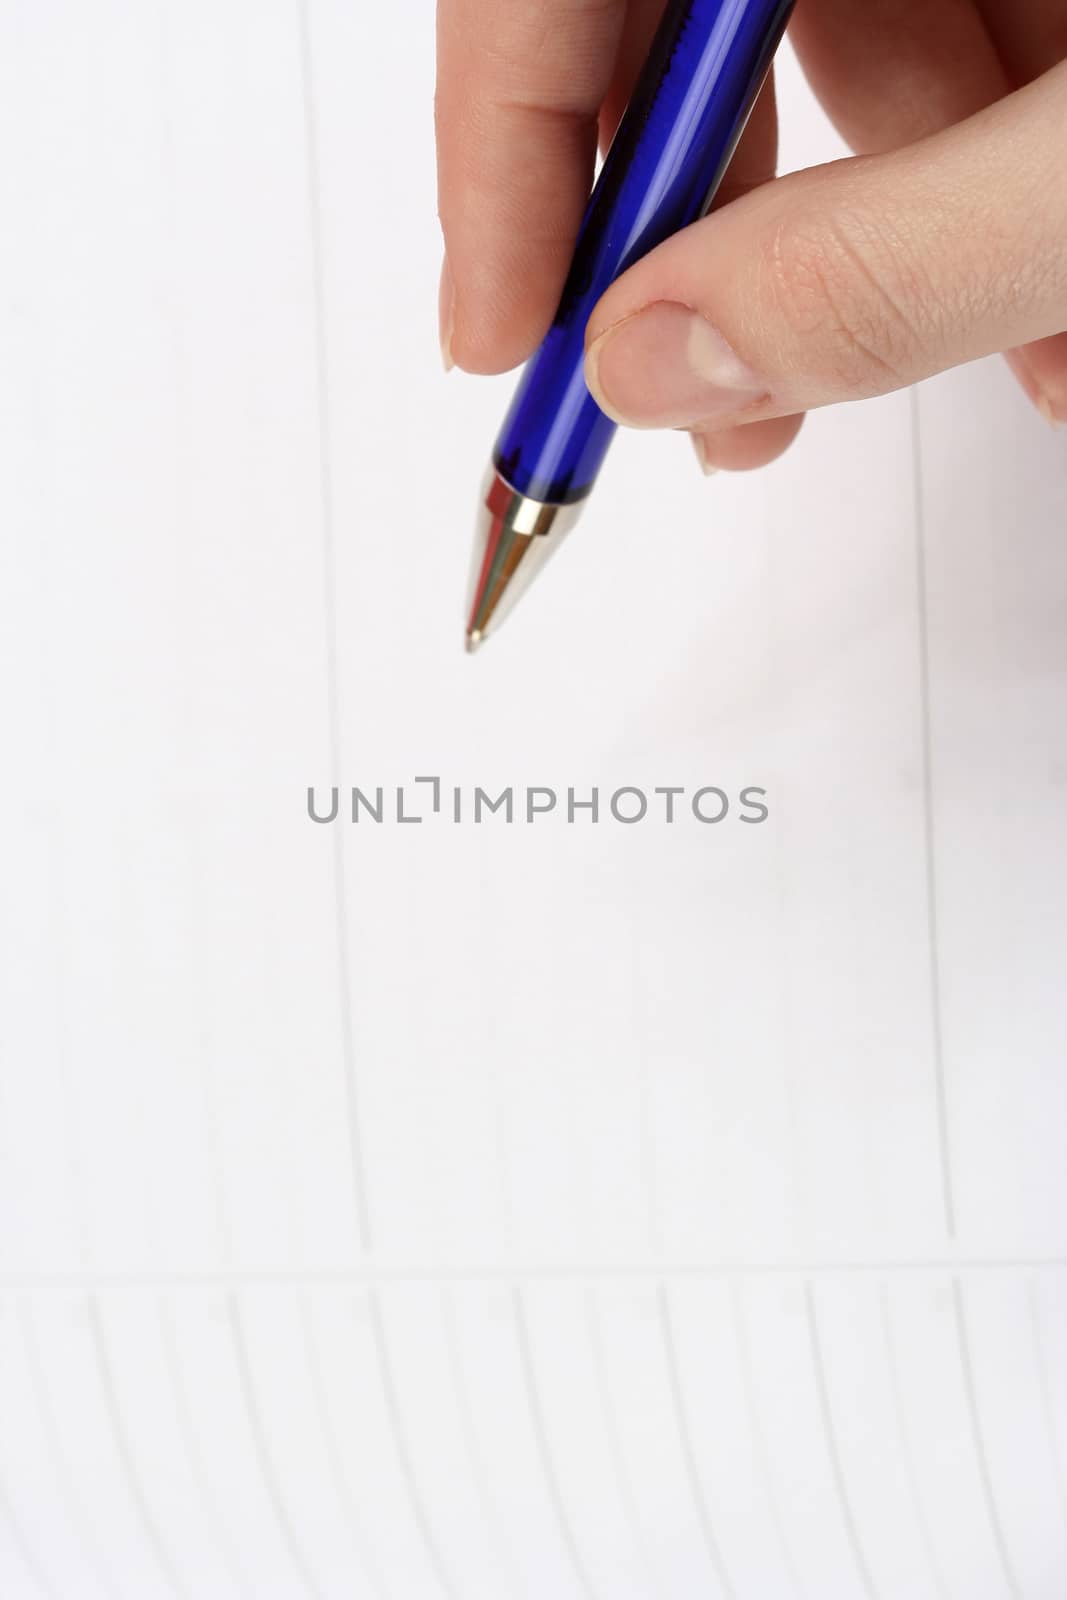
(519, 88)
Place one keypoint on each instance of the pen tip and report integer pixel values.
(514, 537)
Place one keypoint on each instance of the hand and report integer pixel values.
(945, 239)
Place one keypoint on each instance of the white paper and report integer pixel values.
(549, 1210)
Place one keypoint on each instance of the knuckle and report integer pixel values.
(840, 280)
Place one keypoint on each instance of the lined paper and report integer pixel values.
(448, 1211)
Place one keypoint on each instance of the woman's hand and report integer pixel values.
(944, 240)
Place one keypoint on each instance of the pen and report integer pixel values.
(704, 71)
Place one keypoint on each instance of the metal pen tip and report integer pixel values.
(514, 537)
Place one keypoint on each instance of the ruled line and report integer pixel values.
(329, 565)
(685, 1439)
(372, 1272)
(848, 1515)
(544, 1451)
(127, 1461)
(948, 1195)
(261, 1446)
(978, 1439)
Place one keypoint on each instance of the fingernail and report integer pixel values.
(1041, 368)
(700, 449)
(1044, 404)
(666, 367)
(446, 314)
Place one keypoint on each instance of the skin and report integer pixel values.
(944, 239)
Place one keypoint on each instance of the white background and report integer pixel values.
(435, 1211)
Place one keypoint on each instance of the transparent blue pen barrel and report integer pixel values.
(704, 71)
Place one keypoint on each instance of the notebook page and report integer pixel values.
(585, 1208)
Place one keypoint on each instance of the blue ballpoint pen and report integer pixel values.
(706, 66)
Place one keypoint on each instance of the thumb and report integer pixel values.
(850, 280)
